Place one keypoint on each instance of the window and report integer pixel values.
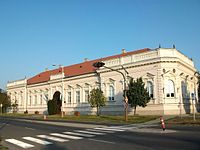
(41, 99)
(46, 96)
(69, 97)
(35, 99)
(111, 93)
(21, 100)
(150, 88)
(30, 100)
(78, 96)
(86, 95)
(170, 88)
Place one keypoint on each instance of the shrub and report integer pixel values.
(36, 112)
(77, 113)
(26, 112)
(52, 107)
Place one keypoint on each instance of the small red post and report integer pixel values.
(162, 123)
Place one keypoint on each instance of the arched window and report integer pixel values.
(170, 88)
(150, 88)
(111, 93)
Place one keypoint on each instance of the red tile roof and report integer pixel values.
(77, 69)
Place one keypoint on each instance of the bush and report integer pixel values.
(26, 112)
(77, 113)
(36, 112)
(52, 107)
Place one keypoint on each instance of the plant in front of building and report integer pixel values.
(52, 107)
(37, 112)
(4, 101)
(77, 113)
(26, 112)
(97, 99)
(137, 94)
(15, 106)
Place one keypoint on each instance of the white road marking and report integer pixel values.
(37, 140)
(66, 136)
(109, 129)
(29, 128)
(96, 130)
(102, 141)
(19, 143)
(52, 138)
(79, 134)
(89, 132)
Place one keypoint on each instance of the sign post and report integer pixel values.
(193, 105)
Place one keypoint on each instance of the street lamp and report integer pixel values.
(63, 75)
(102, 64)
(196, 74)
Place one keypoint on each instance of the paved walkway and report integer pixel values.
(66, 124)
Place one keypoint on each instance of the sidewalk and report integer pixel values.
(83, 124)
(64, 123)
(157, 121)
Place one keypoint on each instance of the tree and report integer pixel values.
(5, 101)
(97, 99)
(52, 107)
(15, 106)
(137, 94)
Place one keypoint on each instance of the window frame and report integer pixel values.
(170, 89)
(111, 96)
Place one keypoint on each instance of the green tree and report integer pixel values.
(5, 101)
(97, 99)
(52, 107)
(137, 94)
(15, 106)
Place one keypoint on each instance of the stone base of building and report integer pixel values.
(150, 109)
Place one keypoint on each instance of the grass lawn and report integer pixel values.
(107, 119)
(2, 147)
(91, 118)
(186, 120)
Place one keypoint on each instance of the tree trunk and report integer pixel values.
(97, 110)
(135, 110)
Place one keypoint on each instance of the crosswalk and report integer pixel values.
(66, 136)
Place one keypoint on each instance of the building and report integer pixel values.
(168, 74)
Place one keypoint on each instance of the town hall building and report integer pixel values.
(169, 77)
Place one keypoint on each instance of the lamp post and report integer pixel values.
(63, 75)
(102, 64)
(196, 74)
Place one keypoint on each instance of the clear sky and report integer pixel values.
(34, 34)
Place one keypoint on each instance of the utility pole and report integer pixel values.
(101, 64)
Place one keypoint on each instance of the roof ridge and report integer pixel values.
(79, 68)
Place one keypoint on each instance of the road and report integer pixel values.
(36, 135)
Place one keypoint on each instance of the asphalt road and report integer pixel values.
(18, 135)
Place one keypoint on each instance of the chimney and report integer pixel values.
(123, 50)
(85, 59)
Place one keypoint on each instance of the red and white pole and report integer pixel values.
(162, 123)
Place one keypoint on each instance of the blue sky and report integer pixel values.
(34, 34)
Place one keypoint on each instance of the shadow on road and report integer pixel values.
(55, 147)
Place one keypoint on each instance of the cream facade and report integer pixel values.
(168, 75)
